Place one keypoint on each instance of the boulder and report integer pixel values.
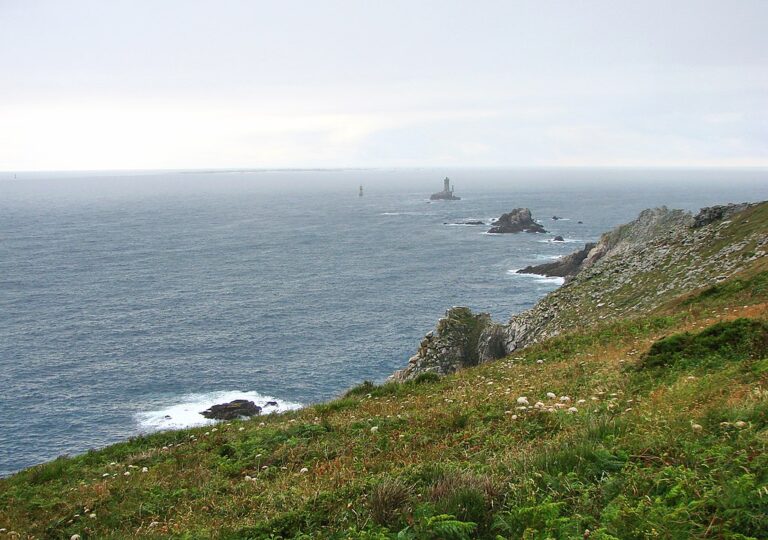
(558, 238)
(518, 220)
(233, 409)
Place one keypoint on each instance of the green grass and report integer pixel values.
(668, 439)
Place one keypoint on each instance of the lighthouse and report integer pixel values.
(446, 194)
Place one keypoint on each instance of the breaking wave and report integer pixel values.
(184, 412)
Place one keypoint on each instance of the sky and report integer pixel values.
(183, 84)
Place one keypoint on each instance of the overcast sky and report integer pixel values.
(223, 84)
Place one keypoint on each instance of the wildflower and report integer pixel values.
(522, 400)
(514, 417)
(374, 429)
(740, 424)
(696, 427)
(565, 399)
(551, 395)
(92, 515)
(74, 537)
(304, 470)
(539, 361)
(573, 410)
(144, 470)
(127, 473)
(538, 405)
(241, 428)
(581, 401)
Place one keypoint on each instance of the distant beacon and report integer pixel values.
(361, 191)
(446, 194)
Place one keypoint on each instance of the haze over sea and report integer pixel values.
(129, 302)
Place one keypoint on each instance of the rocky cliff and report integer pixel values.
(632, 270)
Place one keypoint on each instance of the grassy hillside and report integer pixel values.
(650, 427)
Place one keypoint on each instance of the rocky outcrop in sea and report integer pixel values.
(232, 410)
(633, 269)
(564, 267)
(518, 220)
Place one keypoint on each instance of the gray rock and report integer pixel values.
(563, 267)
(716, 213)
(518, 220)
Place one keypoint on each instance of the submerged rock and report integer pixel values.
(233, 409)
(518, 220)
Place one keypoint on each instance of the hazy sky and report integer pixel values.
(220, 84)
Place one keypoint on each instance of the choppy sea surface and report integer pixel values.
(130, 302)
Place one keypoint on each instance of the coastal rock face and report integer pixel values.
(232, 410)
(567, 266)
(452, 345)
(633, 269)
(716, 213)
(518, 220)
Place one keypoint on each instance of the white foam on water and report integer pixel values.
(406, 214)
(184, 412)
(537, 278)
(564, 241)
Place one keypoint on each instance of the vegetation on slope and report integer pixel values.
(654, 427)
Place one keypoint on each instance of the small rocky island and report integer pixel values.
(232, 410)
(518, 220)
(446, 194)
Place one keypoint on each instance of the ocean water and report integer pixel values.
(130, 302)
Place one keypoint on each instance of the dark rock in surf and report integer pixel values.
(234, 409)
(558, 238)
(567, 266)
(467, 222)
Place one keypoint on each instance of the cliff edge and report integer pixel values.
(630, 271)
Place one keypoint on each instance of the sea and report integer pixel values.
(131, 301)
